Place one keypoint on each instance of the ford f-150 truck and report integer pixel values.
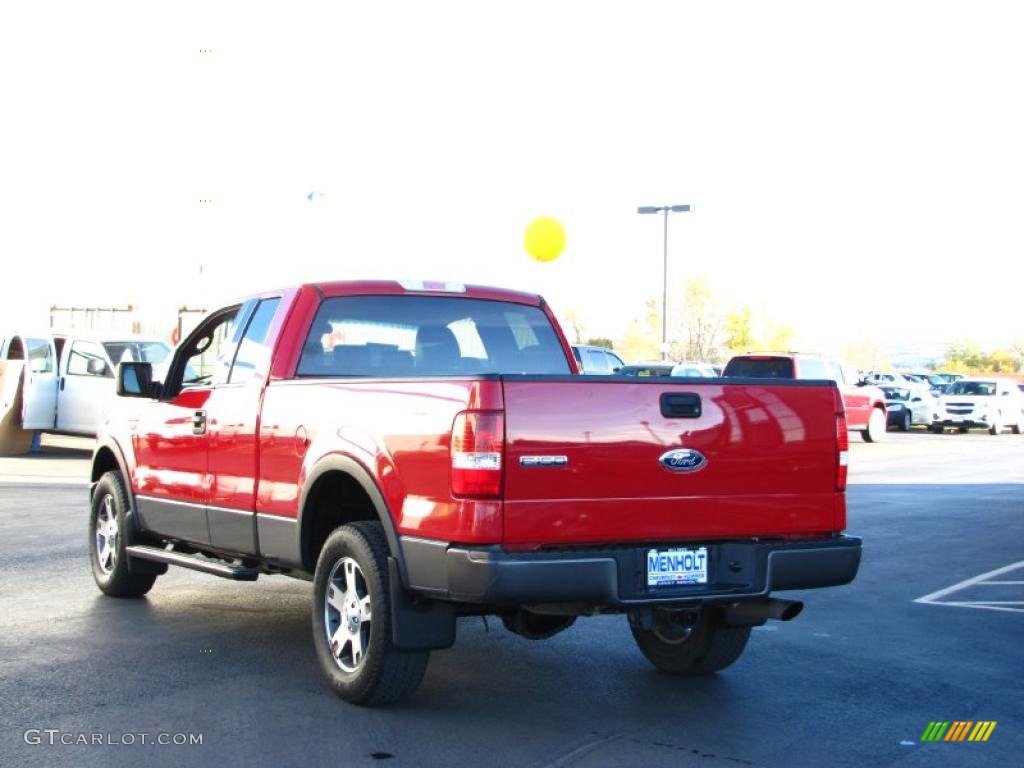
(428, 451)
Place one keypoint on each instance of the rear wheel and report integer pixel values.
(997, 425)
(689, 642)
(906, 423)
(937, 429)
(876, 426)
(109, 535)
(352, 620)
(1018, 428)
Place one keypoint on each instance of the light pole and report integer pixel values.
(666, 209)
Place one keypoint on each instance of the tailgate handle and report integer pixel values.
(681, 405)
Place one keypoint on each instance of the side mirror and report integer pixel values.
(96, 367)
(916, 400)
(135, 380)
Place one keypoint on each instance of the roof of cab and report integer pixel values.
(423, 287)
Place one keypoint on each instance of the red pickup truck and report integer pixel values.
(424, 452)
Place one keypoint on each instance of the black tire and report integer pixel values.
(906, 424)
(1018, 428)
(963, 430)
(938, 429)
(997, 426)
(876, 426)
(108, 520)
(379, 673)
(706, 647)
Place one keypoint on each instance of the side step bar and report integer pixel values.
(195, 562)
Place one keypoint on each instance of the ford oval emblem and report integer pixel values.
(683, 460)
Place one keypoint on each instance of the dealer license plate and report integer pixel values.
(677, 566)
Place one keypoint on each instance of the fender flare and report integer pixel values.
(354, 469)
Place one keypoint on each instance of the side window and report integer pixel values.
(210, 355)
(253, 358)
(812, 368)
(834, 371)
(87, 359)
(614, 360)
(40, 356)
(598, 363)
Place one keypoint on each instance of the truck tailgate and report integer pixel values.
(583, 460)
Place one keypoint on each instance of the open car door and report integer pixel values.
(39, 391)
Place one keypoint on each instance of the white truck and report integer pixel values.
(68, 378)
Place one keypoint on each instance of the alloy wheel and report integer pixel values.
(347, 614)
(106, 535)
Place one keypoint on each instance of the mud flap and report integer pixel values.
(418, 624)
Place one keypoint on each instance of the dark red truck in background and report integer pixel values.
(429, 451)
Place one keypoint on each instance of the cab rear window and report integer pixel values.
(760, 367)
(397, 336)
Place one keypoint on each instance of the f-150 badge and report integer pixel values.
(683, 460)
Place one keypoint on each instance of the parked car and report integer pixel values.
(945, 379)
(879, 378)
(865, 404)
(695, 369)
(991, 404)
(70, 377)
(646, 369)
(909, 406)
(591, 359)
(423, 453)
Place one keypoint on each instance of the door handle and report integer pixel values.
(61, 383)
(681, 405)
(199, 423)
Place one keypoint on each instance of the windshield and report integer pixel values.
(974, 388)
(136, 351)
(896, 393)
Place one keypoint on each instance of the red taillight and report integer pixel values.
(478, 443)
(842, 451)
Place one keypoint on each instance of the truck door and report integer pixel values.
(86, 383)
(233, 417)
(171, 437)
(39, 391)
(856, 399)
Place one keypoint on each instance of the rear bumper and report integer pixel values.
(617, 576)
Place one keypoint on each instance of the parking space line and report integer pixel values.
(934, 596)
(989, 606)
(1002, 583)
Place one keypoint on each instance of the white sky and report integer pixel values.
(855, 168)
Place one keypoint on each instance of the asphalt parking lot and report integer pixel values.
(855, 680)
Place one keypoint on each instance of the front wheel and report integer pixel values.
(876, 426)
(352, 620)
(688, 642)
(937, 429)
(996, 427)
(109, 534)
(906, 423)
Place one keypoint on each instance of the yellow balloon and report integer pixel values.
(544, 239)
